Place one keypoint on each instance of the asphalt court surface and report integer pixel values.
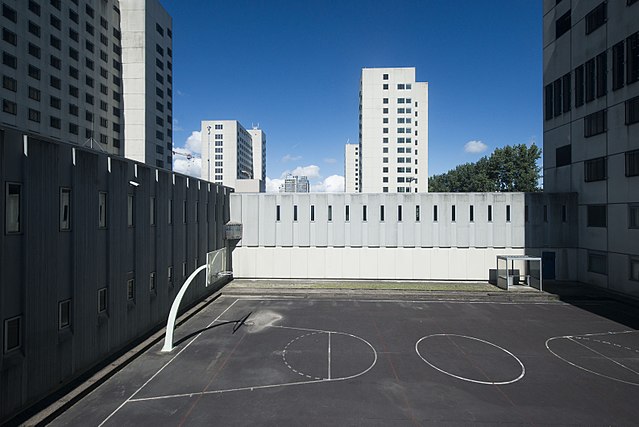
(368, 362)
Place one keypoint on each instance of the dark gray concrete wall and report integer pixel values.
(43, 265)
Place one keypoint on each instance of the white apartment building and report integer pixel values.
(591, 131)
(228, 155)
(351, 168)
(147, 71)
(71, 71)
(259, 153)
(393, 131)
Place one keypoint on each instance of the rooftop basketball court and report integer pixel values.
(345, 361)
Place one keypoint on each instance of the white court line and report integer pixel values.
(569, 337)
(260, 387)
(164, 366)
(604, 356)
(523, 369)
(329, 355)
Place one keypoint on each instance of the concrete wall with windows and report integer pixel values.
(602, 37)
(49, 255)
(437, 236)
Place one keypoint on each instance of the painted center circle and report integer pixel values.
(470, 359)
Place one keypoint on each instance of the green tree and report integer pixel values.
(512, 168)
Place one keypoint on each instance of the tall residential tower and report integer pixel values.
(591, 131)
(393, 131)
(90, 72)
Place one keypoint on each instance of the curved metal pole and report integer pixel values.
(170, 323)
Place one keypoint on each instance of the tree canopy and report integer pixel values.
(512, 168)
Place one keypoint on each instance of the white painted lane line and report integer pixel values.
(329, 355)
(165, 365)
(604, 356)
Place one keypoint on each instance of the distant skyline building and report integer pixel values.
(351, 168)
(92, 73)
(591, 132)
(393, 131)
(228, 157)
(295, 184)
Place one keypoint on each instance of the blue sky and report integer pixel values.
(294, 68)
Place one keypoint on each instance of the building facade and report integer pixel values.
(295, 184)
(94, 249)
(435, 236)
(351, 168)
(227, 152)
(591, 131)
(77, 71)
(259, 153)
(393, 131)
(147, 72)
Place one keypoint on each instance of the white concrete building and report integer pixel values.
(295, 184)
(90, 72)
(436, 236)
(591, 131)
(259, 153)
(147, 73)
(393, 131)
(227, 155)
(351, 168)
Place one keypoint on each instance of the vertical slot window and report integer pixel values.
(102, 300)
(471, 213)
(277, 213)
(130, 290)
(490, 213)
(347, 213)
(330, 213)
(507, 213)
(364, 214)
(417, 219)
(130, 213)
(152, 282)
(102, 210)
(312, 213)
(152, 211)
(13, 201)
(435, 213)
(65, 209)
(381, 213)
(12, 334)
(294, 212)
(64, 314)
(453, 213)
(399, 213)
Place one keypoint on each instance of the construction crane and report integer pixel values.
(187, 155)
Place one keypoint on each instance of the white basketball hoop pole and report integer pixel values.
(170, 323)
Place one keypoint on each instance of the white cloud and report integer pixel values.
(194, 142)
(310, 171)
(330, 160)
(273, 185)
(192, 167)
(289, 158)
(475, 147)
(332, 184)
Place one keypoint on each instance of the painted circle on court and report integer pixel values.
(470, 359)
(598, 355)
(328, 355)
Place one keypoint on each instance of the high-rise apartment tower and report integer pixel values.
(393, 131)
(591, 131)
